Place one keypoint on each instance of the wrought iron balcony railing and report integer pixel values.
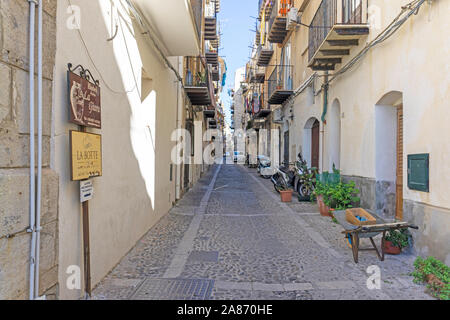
(198, 82)
(336, 26)
(280, 84)
(264, 54)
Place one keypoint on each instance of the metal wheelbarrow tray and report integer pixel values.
(369, 231)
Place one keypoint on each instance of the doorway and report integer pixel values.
(315, 143)
(389, 155)
(286, 148)
(311, 142)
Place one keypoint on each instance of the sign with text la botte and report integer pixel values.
(84, 101)
(86, 155)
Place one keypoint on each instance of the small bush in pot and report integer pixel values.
(286, 194)
(396, 240)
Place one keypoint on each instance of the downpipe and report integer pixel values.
(35, 180)
(39, 168)
(32, 195)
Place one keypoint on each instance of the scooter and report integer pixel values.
(299, 178)
(283, 179)
(305, 178)
(264, 167)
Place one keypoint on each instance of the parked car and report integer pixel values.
(239, 157)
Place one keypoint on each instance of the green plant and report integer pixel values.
(436, 274)
(284, 188)
(307, 177)
(201, 78)
(338, 196)
(399, 238)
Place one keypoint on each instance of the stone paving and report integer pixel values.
(230, 238)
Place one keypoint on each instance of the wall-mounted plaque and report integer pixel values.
(86, 155)
(84, 101)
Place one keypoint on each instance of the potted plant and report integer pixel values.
(321, 192)
(395, 240)
(286, 194)
(332, 197)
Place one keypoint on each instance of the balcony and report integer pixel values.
(263, 113)
(264, 54)
(336, 28)
(198, 83)
(277, 24)
(215, 73)
(264, 9)
(212, 57)
(209, 112)
(212, 124)
(280, 85)
(210, 21)
(176, 23)
(257, 74)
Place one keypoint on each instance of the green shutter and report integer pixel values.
(419, 172)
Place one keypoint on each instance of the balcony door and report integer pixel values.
(352, 11)
(315, 144)
(285, 74)
(286, 148)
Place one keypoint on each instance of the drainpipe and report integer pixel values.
(39, 168)
(324, 113)
(32, 195)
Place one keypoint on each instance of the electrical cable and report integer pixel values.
(388, 32)
(78, 28)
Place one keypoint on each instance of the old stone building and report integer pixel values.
(143, 76)
(357, 84)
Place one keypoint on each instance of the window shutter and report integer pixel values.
(418, 172)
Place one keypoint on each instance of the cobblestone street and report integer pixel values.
(230, 237)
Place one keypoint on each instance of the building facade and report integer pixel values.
(151, 82)
(352, 84)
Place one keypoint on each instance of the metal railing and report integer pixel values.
(273, 15)
(197, 10)
(267, 46)
(210, 9)
(280, 79)
(196, 72)
(330, 13)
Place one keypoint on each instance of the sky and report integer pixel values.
(237, 19)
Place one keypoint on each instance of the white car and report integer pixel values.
(239, 157)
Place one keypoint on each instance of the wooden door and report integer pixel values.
(286, 148)
(399, 178)
(315, 144)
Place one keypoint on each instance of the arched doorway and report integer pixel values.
(389, 155)
(334, 138)
(286, 143)
(311, 142)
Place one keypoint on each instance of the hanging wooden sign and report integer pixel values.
(84, 100)
(86, 155)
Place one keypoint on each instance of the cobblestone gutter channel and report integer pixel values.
(230, 237)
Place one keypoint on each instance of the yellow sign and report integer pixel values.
(86, 155)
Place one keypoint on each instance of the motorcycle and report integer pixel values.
(264, 167)
(306, 180)
(299, 178)
(284, 178)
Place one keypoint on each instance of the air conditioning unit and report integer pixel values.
(277, 116)
(291, 20)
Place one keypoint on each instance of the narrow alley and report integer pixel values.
(225, 241)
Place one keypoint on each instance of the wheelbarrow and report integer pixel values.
(354, 232)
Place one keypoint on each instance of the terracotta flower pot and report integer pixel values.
(389, 248)
(286, 195)
(323, 208)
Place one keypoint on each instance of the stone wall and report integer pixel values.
(15, 157)
(433, 236)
